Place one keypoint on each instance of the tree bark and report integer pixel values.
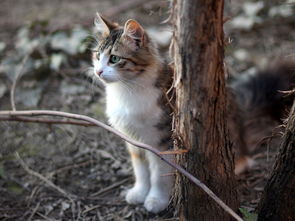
(278, 199)
(200, 119)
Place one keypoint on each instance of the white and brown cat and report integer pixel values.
(127, 61)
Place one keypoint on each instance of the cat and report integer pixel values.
(262, 102)
(128, 62)
(136, 77)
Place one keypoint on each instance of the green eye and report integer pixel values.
(114, 59)
(97, 55)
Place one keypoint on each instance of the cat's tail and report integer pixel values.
(264, 103)
(264, 92)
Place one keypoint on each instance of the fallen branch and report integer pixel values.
(17, 77)
(19, 74)
(107, 189)
(126, 138)
(45, 121)
(41, 177)
(34, 211)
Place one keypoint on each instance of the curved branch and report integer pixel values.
(131, 141)
(45, 121)
(17, 77)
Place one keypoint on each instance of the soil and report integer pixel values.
(65, 172)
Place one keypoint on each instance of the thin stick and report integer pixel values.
(107, 189)
(34, 212)
(44, 217)
(174, 152)
(126, 138)
(17, 77)
(45, 121)
(38, 175)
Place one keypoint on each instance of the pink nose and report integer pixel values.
(99, 72)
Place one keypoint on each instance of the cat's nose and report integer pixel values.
(99, 72)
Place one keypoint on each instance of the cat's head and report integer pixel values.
(122, 53)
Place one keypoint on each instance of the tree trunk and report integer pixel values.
(200, 119)
(278, 200)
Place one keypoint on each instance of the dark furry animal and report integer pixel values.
(261, 104)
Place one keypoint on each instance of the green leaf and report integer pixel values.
(247, 215)
(14, 187)
(2, 170)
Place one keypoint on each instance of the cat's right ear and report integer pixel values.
(103, 26)
(134, 33)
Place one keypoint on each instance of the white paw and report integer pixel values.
(156, 204)
(136, 195)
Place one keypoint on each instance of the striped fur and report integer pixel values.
(135, 88)
(137, 105)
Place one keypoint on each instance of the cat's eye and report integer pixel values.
(97, 55)
(114, 59)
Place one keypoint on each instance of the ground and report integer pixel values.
(88, 166)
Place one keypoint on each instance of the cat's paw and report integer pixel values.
(156, 204)
(136, 195)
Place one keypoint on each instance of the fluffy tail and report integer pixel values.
(263, 93)
(263, 105)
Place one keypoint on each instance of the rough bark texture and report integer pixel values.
(278, 200)
(200, 121)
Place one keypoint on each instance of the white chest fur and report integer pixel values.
(134, 110)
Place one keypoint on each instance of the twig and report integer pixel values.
(126, 138)
(53, 173)
(45, 121)
(169, 101)
(34, 212)
(103, 204)
(174, 152)
(38, 175)
(17, 77)
(110, 187)
(91, 208)
(44, 217)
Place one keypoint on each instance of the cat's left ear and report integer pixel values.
(134, 32)
(103, 25)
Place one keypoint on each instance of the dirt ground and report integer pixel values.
(89, 167)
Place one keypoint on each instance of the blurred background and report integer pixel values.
(46, 45)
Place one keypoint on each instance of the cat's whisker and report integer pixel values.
(133, 83)
(126, 85)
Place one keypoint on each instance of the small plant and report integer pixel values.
(247, 215)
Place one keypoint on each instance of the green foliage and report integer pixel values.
(247, 216)
(69, 43)
(2, 170)
(14, 187)
(46, 51)
(256, 12)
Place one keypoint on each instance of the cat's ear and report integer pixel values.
(134, 32)
(104, 26)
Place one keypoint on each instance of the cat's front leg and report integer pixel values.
(139, 191)
(161, 180)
